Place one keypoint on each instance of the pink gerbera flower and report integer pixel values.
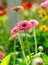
(2, 55)
(34, 23)
(13, 36)
(44, 4)
(15, 30)
(24, 25)
(16, 8)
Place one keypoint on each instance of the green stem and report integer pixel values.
(1, 22)
(14, 51)
(35, 41)
(27, 44)
(22, 48)
(28, 47)
(2, 48)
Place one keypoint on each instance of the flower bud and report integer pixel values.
(2, 55)
(40, 48)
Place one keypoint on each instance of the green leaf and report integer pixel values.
(6, 60)
(27, 59)
(45, 58)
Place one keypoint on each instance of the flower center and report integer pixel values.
(43, 28)
(32, 22)
(14, 30)
(24, 25)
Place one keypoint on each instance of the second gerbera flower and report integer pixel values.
(34, 23)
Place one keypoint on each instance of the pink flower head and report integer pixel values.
(16, 8)
(13, 36)
(34, 23)
(24, 25)
(37, 61)
(15, 30)
(44, 4)
(2, 55)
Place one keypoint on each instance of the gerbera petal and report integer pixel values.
(16, 8)
(44, 4)
(27, 5)
(3, 10)
(14, 30)
(34, 23)
(13, 36)
(24, 25)
(2, 55)
(43, 28)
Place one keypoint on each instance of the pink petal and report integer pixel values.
(34, 23)
(14, 30)
(13, 36)
(16, 7)
(2, 55)
(44, 4)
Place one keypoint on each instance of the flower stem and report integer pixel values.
(1, 22)
(22, 48)
(14, 51)
(27, 44)
(35, 41)
(1, 47)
